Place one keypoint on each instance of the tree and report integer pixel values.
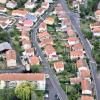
(21, 2)
(25, 90)
(35, 68)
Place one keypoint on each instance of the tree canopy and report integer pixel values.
(24, 90)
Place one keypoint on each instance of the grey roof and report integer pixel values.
(4, 46)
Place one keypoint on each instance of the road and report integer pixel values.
(52, 77)
(92, 63)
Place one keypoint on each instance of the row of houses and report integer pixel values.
(46, 42)
(77, 54)
(95, 27)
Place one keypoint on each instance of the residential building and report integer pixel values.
(39, 12)
(26, 44)
(84, 73)
(3, 9)
(43, 35)
(45, 5)
(76, 54)
(86, 87)
(96, 32)
(50, 52)
(48, 1)
(30, 5)
(95, 25)
(97, 15)
(77, 47)
(70, 32)
(49, 20)
(11, 4)
(11, 58)
(45, 42)
(87, 97)
(28, 23)
(29, 52)
(34, 60)
(42, 27)
(3, 1)
(81, 65)
(72, 40)
(11, 80)
(75, 80)
(19, 12)
(59, 66)
(5, 46)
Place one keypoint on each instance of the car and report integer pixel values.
(57, 97)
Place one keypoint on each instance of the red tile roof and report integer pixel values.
(22, 76)
(34, 60)
(58, 64)
(10, 54)
(86, 97)
(49, 49)
(85, 84)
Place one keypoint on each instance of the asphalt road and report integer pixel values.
(92, 63)
(52, 77)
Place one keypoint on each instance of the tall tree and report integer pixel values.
(25, 90)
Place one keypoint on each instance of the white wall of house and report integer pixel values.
(73, 42)
(11, 63)
(97, 34)
(40, 84)
(26, 46)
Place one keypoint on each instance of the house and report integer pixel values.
(11, 58)
(26, 44)
(96, 32)
(45, 5)
(45, 42)
(29, 5)
(76, 54)
(49, 20)
(28, 23)
(65, 23)
(29, 52)
(12, 80)
(5, 46)
(72, 40)
(5, 21)
(3, 1)
(42, 27)
(24, 35)
(59, 66)
(11, 4)
(77, 47)
(34, 60)
(31, 17)
(43, 35)
(84, 73)
(81, 64)
(3, 9)
(87, 97)
(86, 87)
(75, 80)
(48, 1)
(97, 15)
(50, 52)
(70, 32)
(20, 13)
(40, 12)
(95, 25)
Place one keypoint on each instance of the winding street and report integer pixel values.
(92, 63)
